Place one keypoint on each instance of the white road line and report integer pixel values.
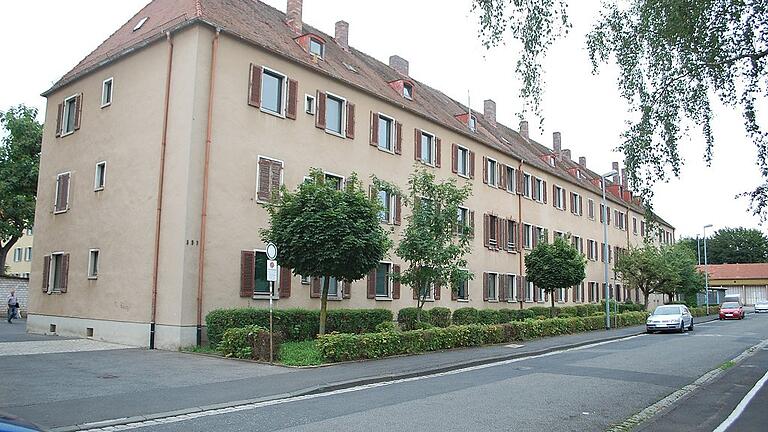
(255, 405)
(742, 405)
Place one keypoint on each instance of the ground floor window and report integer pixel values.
(542, 295)
(492, 286)
(511, 287)
(333, 287)
(382, 280)
(462, 291)
(261, 284)
(529, 292)
(562, 294)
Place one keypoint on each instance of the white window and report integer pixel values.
(462, 218)
(427, 148)
(511, 179)
(511, 287)
(100, 178)
(594, 291)
(387, 201)
(383, 280)
(527, 236)
(592, 250)
(407, 90)
(106, 92)
(562, 295)
(316, 47)
(529, 291)
(334, 114)
(309, 104)
(538, 191)
(492, 286)
(17, 255)
(527, 185)
(634, 225)
(272, 92)
(462, 161)
(56, 272)
(493, 172)
(559, 197)
(473, 123)
(542, 295)
(28, 254)
(462, 291)
(575, 203)
(29, 231)
(542, 236)
(579, 292)
(93, 264)
(70, 115)
(386, 133)
(552, 160)
(336, 180)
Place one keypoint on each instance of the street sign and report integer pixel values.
(271, 251)
(271, 270)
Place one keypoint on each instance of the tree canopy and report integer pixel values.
(675, 59)
(19, 165)
(737, 245)
(327, 232)
(555, 266)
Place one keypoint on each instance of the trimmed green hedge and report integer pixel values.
(702, 311)
(249, 342)
(465, 315)
(295, 324)
(440, 317)
(342, 347)
(406, 317)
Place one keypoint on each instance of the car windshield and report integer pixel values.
(667, 310)
(730, 305)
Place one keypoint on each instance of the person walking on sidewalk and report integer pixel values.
(13, 306)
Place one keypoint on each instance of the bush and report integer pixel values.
(388, 326)
(465, 315)
(294, 324)
(702, 311)
(440, 317)
(488, 316)
(406, 317)
(250, 342)
(541, 311)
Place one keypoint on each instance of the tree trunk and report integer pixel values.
(552, 302)
(324, 304)
(421, 297)
(4, 253)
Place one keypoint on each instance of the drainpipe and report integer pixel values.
(204, 209)
(160, 184)
(520, 229)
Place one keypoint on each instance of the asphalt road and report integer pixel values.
(584, 389)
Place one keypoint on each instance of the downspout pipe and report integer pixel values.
(204, 208)
(160, 186)
(520, 229)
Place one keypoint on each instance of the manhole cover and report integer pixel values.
(106, 376)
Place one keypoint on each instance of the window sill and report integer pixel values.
(382, 298)
(466, 176)
(512, 251)
(66, 134)
(93, 278)
(265, 297)
(386, 150)
(336, 134)
(513, 301)
(463, 300)
(106, 105)
(492, 301)
(272, 113)
(99, 189)
(60, 211)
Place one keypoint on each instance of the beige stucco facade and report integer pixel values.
(19, 259)
(119, 220)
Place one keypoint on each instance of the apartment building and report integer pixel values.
(172, 133)
(19, 260)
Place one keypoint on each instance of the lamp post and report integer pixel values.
(706, 271)
(604, 212)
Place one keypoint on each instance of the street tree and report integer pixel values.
(555, 266)
(435, 241)
(675, 60)
(327, 230)
(19, 164)
(685, 280)
(645, 269)
(737, 245)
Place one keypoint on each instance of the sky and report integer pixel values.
(43, 39)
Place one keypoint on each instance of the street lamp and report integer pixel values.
(604, 212)
(706, 272)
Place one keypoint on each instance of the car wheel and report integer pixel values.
(690, 327)
(682, 327)
(648, 331)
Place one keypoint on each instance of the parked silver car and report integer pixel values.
(670, 317)
(761, 306)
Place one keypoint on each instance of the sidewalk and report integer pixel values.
(136, 402)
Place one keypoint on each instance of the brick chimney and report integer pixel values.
(342, 34)
(583, 161)
(293, 15)
(489, 111)
(615, 167)
(557, 142)
(567, 154)
(624, 178)
(399, 64)
(524, 128)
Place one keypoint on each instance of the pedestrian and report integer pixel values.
(13, 306)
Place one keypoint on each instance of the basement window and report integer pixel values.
(140, 23)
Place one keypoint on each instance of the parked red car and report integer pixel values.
(731, 310)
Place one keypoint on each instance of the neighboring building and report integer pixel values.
(168, 137)
(749, 281)
(19, 260)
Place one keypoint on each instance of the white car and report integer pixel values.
(761, 306)
(670, 317)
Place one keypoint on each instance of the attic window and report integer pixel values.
(350, 67)
(552, 160)
(316, 47)
(141, 23)
(473, 123)
(407, 90)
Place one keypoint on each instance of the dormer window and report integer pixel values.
(407, 90)
(552, 160)
(316, 47)
(473, 123)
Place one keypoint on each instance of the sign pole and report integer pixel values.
(271, 294)
(271, 277)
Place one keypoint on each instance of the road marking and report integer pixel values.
(742, 405)
(158, 419)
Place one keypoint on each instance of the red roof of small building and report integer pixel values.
(737, 271)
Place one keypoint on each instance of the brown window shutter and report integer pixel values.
(398, 138)
(396, 283)
(46, 268)
(315, 290)
(275, 172)
(485, 170)
(581, 209)
(64, 272)
(520, 180)
(264, 180)
(398, 209)
(254, 86)
(293, 99)
(486, 230)
(416, 144)
(502, 294)
(438, 146)
(285, 282)
(471, 164)
(372, 284)
(374, 129)
(485, 286)
(454, 158)
(454, 294)
(247, 277)
(320, 117)
(504, 237)
(59, 117)
(78, 110)
(350, 120)
(346, 290)
(472, 222)
(437, 291)
(608, 214)
(62, 185)
(520, 288)
(544, 191)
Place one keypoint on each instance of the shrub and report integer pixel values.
(250, 342)
(440, 317)
(406, 317)
(294, 324)
(488, 316)
(465, 315)
(388, 326)
(422, 325)
(541, 311)
(702, 311)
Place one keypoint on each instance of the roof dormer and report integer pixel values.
(403, 87)
(469, 120)
(313, 44)
(549, 158)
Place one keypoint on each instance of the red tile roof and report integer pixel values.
(263, 25)
(736, 271)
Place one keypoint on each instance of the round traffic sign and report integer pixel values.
(271, 251)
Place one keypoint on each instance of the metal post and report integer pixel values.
(271, 294)
(605, 257)
(706, 271)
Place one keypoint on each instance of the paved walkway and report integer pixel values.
(15, 341)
